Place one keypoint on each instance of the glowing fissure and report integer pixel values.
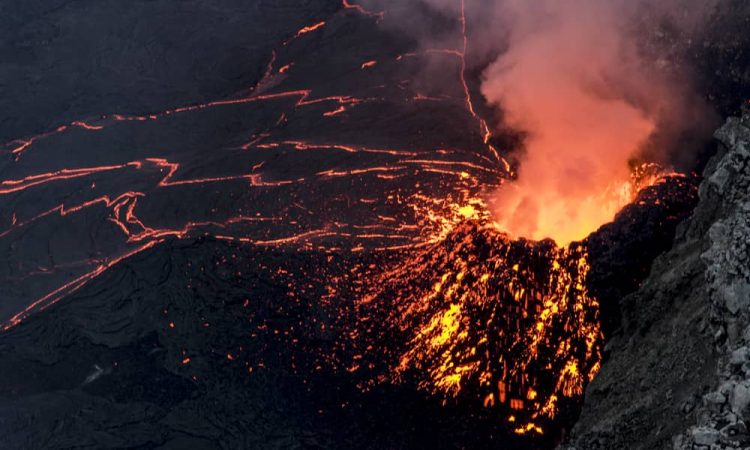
(358, 8)
(487, 135)
(54, 296)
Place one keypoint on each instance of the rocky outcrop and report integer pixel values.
(724, 412)
(677, 375)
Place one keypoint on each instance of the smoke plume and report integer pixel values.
(591, 102)
(596, 87)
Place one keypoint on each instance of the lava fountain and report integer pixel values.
(481, 319)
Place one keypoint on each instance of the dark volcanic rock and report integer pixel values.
(183, 119)
(131, 130)
(66, 60)
(176, 348)
(676, 374)
(621, 252)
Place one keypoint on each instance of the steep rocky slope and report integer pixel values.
(677, 373)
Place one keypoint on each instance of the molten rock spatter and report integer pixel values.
(504, 324)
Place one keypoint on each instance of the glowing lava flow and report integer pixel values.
(347, 5)
(19, 146)
(305, 30)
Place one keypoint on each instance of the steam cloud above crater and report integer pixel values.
(593, 89)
